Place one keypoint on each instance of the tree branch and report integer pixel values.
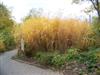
(97, 3)
(94, 4)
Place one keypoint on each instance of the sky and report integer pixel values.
(51, 8)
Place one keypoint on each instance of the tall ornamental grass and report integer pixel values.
(42, 34)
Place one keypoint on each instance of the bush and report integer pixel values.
(43, 57)
(55, 59)
(82, 62)
(89, 58)
(72, 54)
(58, 61)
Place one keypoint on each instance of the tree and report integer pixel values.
(4, 12)
(34, 13)
(95, 3)
(6, 26)
(5, 17)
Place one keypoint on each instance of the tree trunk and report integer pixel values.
(98, 15)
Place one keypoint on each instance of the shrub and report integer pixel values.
(72, 54)
(58, 61)
(44, 58)
(86, 61)
(55, 59)
(88, 58)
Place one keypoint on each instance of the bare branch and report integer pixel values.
(94, 4)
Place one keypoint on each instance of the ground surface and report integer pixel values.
(12, 67)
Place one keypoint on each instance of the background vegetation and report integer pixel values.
(6, 27)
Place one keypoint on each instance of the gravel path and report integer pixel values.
(12, 67)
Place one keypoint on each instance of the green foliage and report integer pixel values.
(43, 57)
(89, 58)
(52, 59)
(5, 22)
(4, 12)
(72, 54)
(5, 17)
(59, 60)
(96, 29)
(8, 38)
(96, 26)
(6, 26)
